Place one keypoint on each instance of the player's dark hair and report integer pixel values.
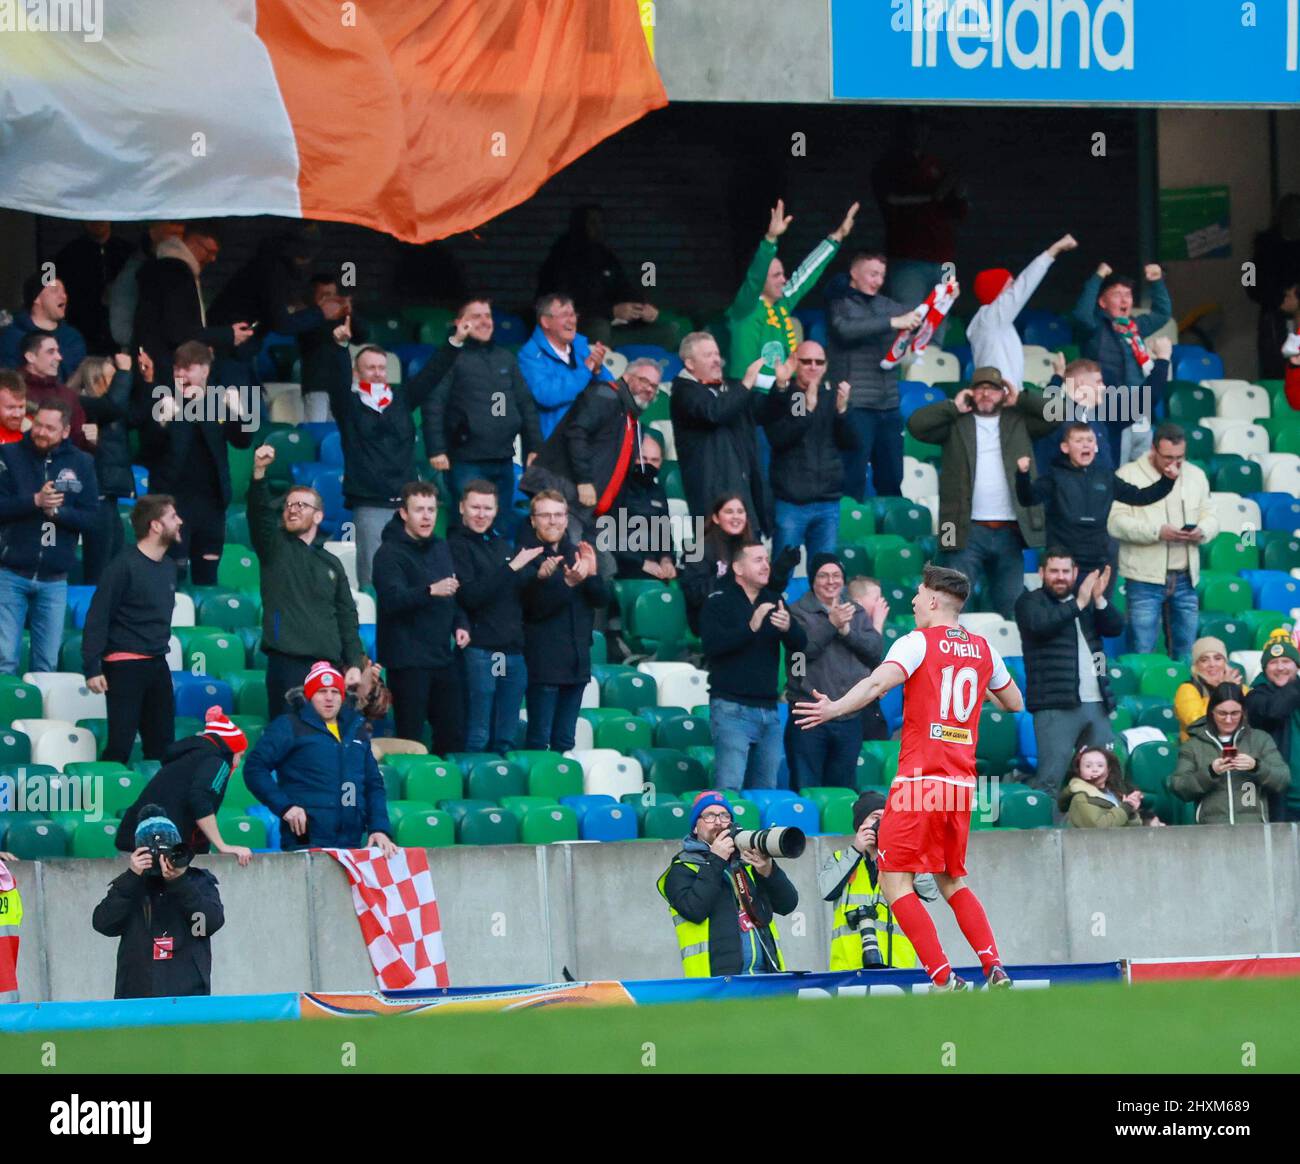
(192, 353)
(1117, 281)
(738, 550)
(31, 342)
(1055, 552)
(479, 485)
(942, 580)
(147, 510)
(54, 404)
(417, 489)
(1174, 434)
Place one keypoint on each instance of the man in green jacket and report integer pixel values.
(1226, 767)
(307, 609)
(761, 312)
(984, 430)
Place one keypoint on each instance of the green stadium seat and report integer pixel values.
(1123, 680)
(599, 649)
(855, 559)
(70, 650)
(1188, 402)
(857, 521)
(1235, 633)
(632, 691)
(15, 747)
(122, 789)
(549, 824)
(704, 757)
(213, 653)
(493, 779)
(488, 826)
(94, 839)
(238, 797)
(824, 797)
(659, 621)
(18, 700)
(1262, 623)
(433, 781)
(1021, 807)
(869, 772)
(1241, 476)
(520, 805)
(1151, 711)
(239, 569)
(1281, 553)
(910, 521)
(623, 732)
(886, 754)
(230, 611)
(35, 840)
(1228, 553)
(249, 691)
(1223, 593)
(666, 822)
(399, 809)
(458, 808)
(670, 770)
(898, 563)
(995, 753)
(1200, 443)
(392, 779)
(1151, 765)
(1163, 681)
(837, 817)
(626, 592)
(236, 531)
(426, 830)
(921, 450)
(560, 777)
(682, 731)
(670, 476)
(292, 447)
(249, 831)
(1121, 719)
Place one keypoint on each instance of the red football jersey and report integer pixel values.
(948, 670)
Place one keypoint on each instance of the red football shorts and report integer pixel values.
(925, 828)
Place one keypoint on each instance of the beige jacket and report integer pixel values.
(1142, 555)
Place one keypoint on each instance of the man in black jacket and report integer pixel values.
(560, 598)
(48, 498)
(809, 431)
(184, 441)
(1273, 706)
(128, 627)
(596, 445)
(714, 424)
(640, 521)
(491, 575)
(476, 411)
(322, 360)
(742, 628)
(724, 902)
(165, 917)
(415, 586)
(1066, 687)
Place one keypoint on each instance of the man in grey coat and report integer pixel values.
(861, 324)
(844, 645)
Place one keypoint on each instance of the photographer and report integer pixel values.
(864, 935)
(723, 902)
(165, 912)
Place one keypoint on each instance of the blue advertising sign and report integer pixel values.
(1055, 52)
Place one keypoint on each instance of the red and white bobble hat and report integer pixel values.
(322, 674)
(217, 723)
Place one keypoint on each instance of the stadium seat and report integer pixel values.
(797, 812)
(1020, 807)
(1240, 400)
(612, 776)
(432, 781)
(488, 826)
(608, 822)
(682, 732)
(1228, 553)
(66, 696)
(238, 829)
(667, 822)
(493, 779)
(995, 752)
(857, 521)
(18, 700)
(1151, 765)
(680, 689)
(346, 552)
(553, 823)
(183, 613)
(194, 699)
(1195, 363)
(1236, 635)
(1282, 554)
(1223, 593)
(837, 817)
(1189, 403)
(560, 777)
(94, 839)
(426, 830)
(239, 570)
(212, 653)
(248, 690)
(670, 770)
(1163, 681)
(933, 366)
(1279, 593)
(229, 612)
(36, 840)
(898, 563)
(919, 480)
(659, 621)
(583, 804)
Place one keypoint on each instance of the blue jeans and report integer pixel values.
(501, 474)
(43, 603)
(495, 684)
(746, 745)
(553, 715)
(815, 525)
(825, 756)
(1156, 612)
(997, 554)
(879, 435)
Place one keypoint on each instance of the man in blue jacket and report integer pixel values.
(557, 362)
(46, 314)
(326, 785)
(48, 497)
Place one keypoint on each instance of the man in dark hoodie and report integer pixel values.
(165, 916)
(87, 265)
(190, 787)
(477, 409)
(1076, 495)
(418, 617)
(1273, 705)
(642, 505)
(46, 315)
(724, 902)
(48, 497)
(322, 360)
(128, 627)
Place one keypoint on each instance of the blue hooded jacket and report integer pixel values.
(72, 347)
(24, 544)
(554, 384)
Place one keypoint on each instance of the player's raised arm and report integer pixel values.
(821, 709)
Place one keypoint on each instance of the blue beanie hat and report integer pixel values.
(708, 800)
(153, 823)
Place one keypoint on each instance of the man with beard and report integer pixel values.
(124, 645)
(1065, 667)
(983, 527)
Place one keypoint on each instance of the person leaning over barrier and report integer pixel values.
(723, 902)
(864, 935)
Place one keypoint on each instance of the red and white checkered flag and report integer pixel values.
(398, 912)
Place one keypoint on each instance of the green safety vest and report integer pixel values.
(846, 943)
(693, 937)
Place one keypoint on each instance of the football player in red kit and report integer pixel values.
(946, 671)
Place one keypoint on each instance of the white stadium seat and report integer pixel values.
(1236, 436)
(1235, 512)
(1243, 402)
(612, 776)
(981, 622)
(65, 696)
(183, 610)
(657, 671)
(615, 363)
(367, 613)
(1247, 662)
(288, 408)
(933, 366)
(1005, 637)
(1283, 476)
(175, 656)
(665, 429)
(591, 693)
(1219, 387)
(35, 728)
(584, 735)
(920, 479)
(57, 742)
(931, 502)
(684, 689)
(346, 552)
(1038, 364)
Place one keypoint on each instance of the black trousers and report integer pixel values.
(102, 542)
(203, 532)
(431, 694)
(139, 699)
(282, 673)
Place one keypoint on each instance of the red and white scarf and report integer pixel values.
(1127, 330)
(377, 396)
(937, 305)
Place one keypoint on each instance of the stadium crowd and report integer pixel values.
(509, 501)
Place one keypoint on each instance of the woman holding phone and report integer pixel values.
(1226, 766)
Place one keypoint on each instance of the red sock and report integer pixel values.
(975, 925)
(915, 921)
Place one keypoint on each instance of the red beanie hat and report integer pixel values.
(218, 724)
(321, 675)
(991, 283)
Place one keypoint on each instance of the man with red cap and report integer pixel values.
(190, 787)
(993, 337)
(314, 769)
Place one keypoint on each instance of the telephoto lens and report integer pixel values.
(773, 842)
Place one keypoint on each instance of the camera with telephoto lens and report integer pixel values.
(771, 842)
(863, 919)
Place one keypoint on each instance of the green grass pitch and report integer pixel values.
(1243, 1026)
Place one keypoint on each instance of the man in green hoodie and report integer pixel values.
(760, 313)
(1274, 707)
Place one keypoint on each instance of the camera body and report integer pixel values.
(179, 855)
(771, 842)
(863, 919)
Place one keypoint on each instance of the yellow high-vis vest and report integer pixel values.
(693, 937)
(846, 943)
(11, 916)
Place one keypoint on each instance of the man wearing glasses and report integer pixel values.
(307, 608)
(809, 431)
(724, 902)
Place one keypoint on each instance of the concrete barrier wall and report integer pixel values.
(521, 914)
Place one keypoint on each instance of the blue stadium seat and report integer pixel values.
(268, 818)
(1280, 592)
(1026, 740)
(608, 822)
(795, 589)
(965, 358)
(319, 430)
(331, 449)
(913, 395)
(413, 357)
(796, 812)
(1016, 665)
(762, 797)
(814, 323)
(1283, 514)
(669, 363)
(1195, 363)
(583, 804)
(329, 484)
(367, 634)
(1044, 328)
(509, 330)
(195, 698)
(79, 604)
(141, 475)
(891, 707)
(304, 471)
